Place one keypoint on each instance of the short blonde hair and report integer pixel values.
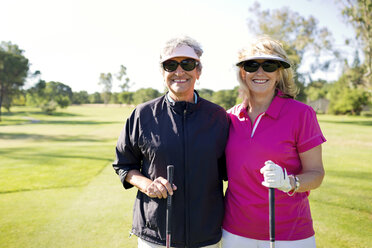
(265, 45)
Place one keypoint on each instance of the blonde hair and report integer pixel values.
(265, 45)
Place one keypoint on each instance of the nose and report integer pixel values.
(260, 70)
(179, 70)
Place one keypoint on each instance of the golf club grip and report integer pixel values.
(272, 216)
(170, 173)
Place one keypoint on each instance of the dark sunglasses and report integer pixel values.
(267, 66)
(186, 64)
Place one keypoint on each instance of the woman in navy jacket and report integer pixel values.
(187, 131)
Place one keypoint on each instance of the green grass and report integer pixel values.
(58, 188)
(342, 206)
(57, 185)
(65, 150)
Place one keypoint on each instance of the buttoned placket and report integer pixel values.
(256, 122)
(242, 114)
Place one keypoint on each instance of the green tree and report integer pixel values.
(144, 95)
(300, 36)
(358, 13)
(81, 97)
(206, 94)
(347, 101)
(106, 81)
(225, 98)
(316, 90)
(49, 96)
(345, 96)
(95, 98)
(19, 99)
(122, 77)
(349, 95)
(59, 92)
(13, 72)
(126, 97)
(35, 95)
(115, 98)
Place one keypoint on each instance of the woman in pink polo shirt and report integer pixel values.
(274, 141)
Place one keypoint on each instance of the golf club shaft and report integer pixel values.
(170, 172)
(272, 216)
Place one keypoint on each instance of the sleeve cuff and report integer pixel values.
(311, 143)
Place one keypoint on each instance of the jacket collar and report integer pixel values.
(180, 106)
(172, 101)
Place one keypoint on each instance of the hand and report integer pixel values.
(159, 188)
(275, 177)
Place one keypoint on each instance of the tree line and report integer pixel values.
(302, 39)
(52, 95)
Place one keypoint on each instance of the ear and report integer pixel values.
(242, 74)
(163, 74)
(278, 76)
(198, 74)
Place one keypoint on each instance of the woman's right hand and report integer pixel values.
(159, 188)
(154, 189)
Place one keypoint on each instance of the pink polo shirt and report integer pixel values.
(286, 129)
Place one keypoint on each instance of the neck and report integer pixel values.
(259, 103)
(179, 98)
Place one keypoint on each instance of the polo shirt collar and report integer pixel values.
(276, 105)
(274, 109)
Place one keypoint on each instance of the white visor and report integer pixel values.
(181, 51)
(285, 63)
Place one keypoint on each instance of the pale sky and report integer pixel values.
(73, 41)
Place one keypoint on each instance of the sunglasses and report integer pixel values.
(267, 66)
(186, 64)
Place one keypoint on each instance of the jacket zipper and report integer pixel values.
(187, 234)
(256, 122)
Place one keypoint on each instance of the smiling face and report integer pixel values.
(260, 83)
(180, 83)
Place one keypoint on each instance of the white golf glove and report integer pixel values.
(275, 177)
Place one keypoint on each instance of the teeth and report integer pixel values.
(180, 80)
(259, 81)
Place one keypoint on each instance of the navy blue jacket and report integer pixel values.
(192, 137)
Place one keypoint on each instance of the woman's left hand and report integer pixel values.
(275, 177)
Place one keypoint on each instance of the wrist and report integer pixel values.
(292, 182)
(295, 184)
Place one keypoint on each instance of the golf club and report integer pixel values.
(272, 216)
(170, 172)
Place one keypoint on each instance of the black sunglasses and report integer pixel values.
(267, 66)
(186, 64)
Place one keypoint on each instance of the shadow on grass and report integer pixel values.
(28, 113)
(74, 122)
(54, 122)
(25, 118)
(42, 188)
(14, 122)
(63, 186)
(349, 122)
(36, 155)
(59, 138)
(359, 175)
